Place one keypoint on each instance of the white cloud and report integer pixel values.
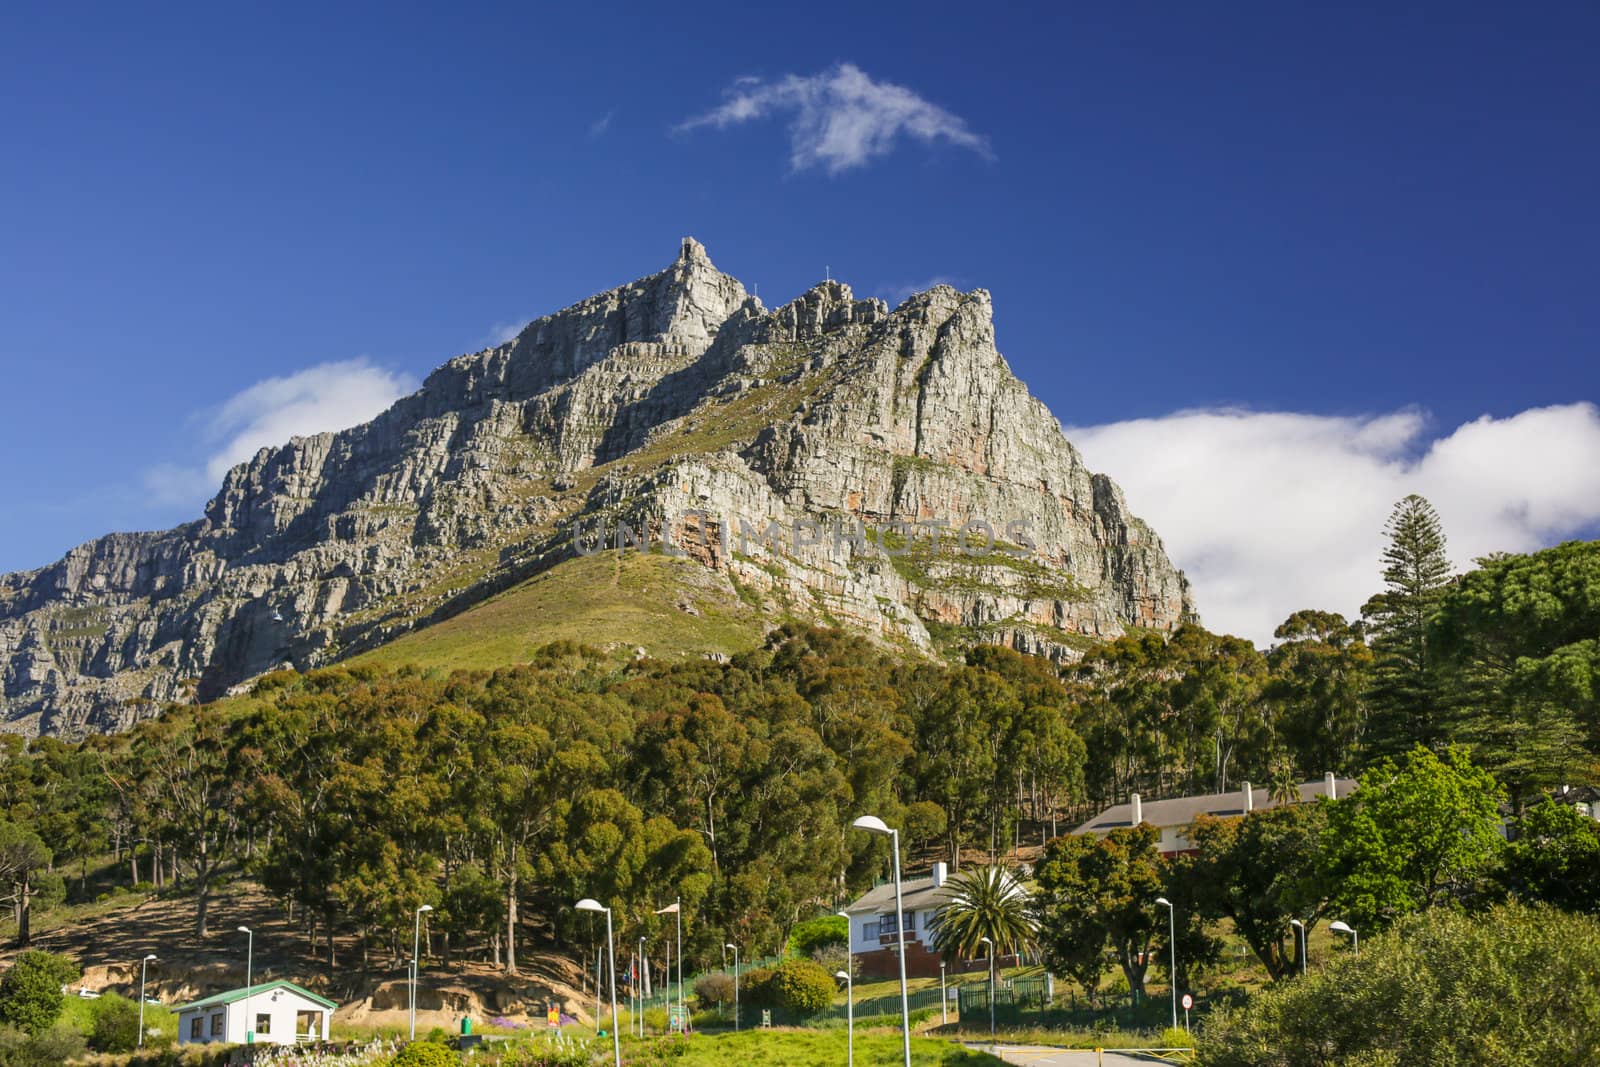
(898, 294)
(842, 118)
(503, 332)
(326, 397)
(1270, 512)
(599, 126)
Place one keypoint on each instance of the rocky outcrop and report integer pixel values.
(824, 457)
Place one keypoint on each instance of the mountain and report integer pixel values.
(462, 525)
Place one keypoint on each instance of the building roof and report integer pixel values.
(1181, 811)
(234, 995)
(916, 894)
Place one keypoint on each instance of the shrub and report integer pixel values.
(1512, 985)
(803, 987)
(116, 1024)
(1175, 1037)
(426, 1054)
(714, 990)
(756, 989)
(807, 937)
(48, 1048)
(30, 992)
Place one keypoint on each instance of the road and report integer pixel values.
(1039, 1056)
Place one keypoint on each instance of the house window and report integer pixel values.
(263, 1024)
(194, 1028)
(870, 932)
(887, 926)
(218, 1024)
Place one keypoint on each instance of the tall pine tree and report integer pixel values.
(1405, 697)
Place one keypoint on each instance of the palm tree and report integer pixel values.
(984, 902)
(1284, 786)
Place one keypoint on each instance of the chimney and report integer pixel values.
(1249, 798)
(939, 870)
(1333, 790)
(1138, 810)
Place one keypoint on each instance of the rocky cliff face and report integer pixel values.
(819, 458)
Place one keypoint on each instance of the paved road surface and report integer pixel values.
(1037, 1056)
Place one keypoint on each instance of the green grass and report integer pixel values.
(807, 1048)
(600, 600)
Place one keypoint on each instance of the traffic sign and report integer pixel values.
(1188, 1002)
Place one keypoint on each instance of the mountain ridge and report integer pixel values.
(676, 394)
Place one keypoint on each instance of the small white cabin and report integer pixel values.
(272, 1013)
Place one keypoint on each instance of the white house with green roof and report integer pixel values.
(277, 1013)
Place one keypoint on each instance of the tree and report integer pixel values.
(1258, 871)
(1518, 642)
(30, 990)
(1555, 857)
(984, 902)
(1516, 985)
(1095, 891)
(1416, 573)
(1411, 837)
(22, 856)
(1319, 673)
(116, 1024)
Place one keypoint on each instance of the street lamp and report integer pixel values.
(416, 962)
(987, 941)
(849, 1017)
(639, 984)
(1342, 927)
(143, 964)
(590, 904)
(1301, 943)
(735, 985)
(873, 824)
(944, 999)
(1172, 936)
(249, 975)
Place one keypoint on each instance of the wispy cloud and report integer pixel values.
(502, 332)
(599, 126)
(1270, 512)
(842, 118)
(328, 396)
(898, 294)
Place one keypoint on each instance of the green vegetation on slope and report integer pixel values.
(603, 600)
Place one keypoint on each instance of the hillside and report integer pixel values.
(812, 462)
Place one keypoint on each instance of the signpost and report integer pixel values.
(1188, 1002)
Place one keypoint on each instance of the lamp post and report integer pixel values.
(1342, 927)
(683, 1015)
(873, 824)
(1300, 943)
(639, 982)
(590, 904)
(142, 965)
(944, 998)
(249, 977)
(990, 943)
(1172, 936)
(735, 985)
(849, 1018)
(416, 962)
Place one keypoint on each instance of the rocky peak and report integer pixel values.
(675, 392)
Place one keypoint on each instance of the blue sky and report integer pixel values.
(1309, 226)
